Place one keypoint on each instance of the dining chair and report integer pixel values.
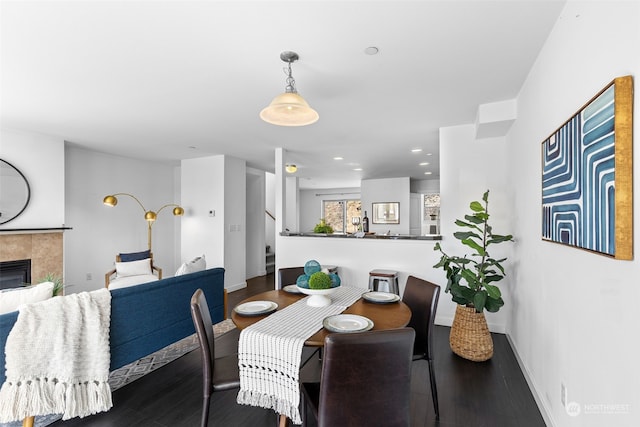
(218, 374)
(422, 298)
(365, 380)
(288, 276)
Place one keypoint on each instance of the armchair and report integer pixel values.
(132, 269)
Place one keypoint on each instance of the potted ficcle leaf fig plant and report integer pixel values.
(471, 281)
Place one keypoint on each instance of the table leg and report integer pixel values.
(283, 421)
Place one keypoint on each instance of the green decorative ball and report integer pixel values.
(320, 280)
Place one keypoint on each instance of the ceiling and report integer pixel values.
(172, 80)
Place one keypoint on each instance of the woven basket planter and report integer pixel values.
(470, 337)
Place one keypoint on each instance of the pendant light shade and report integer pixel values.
(289, 108)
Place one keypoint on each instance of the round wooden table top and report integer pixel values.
(384, 316)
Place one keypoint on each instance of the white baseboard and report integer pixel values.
(548, 420)
(236, 287)
(448, 321)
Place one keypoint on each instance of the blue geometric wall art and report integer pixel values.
(587, 168)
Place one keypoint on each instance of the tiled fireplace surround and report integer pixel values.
(43, 249)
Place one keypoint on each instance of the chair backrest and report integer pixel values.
(288, 276)
(422, 298)
(134, 257)
(202, 322)
(366, 376)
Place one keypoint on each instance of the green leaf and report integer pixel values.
(476, 207)
(493, 291)
(470, 277)
(492, 305)
(461, 235)
(473, 245)
(461, 223)
(492, 278)
(474, 219)
(483, 216)
(485, 196)
(496, 238)
(460, 300)
(467, 293)
(479, 300)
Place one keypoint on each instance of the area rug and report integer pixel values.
(139, 368)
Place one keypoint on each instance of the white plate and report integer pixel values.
(347, 323)
(293, 289)
(381, 297)
(256, 308)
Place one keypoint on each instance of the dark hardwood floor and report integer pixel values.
(488, 394)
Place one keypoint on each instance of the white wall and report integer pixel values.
(383, 191)
(100, 232)
(40, 158)
(469, 167)
(235, 220)
(355, 258)
(202, 183)
(292, 215)
(270, 205)
(573, 316)
(425, 186)
(256, 265)
(216, 183)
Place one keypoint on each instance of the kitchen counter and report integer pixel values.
(429, 237)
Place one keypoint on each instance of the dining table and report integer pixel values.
(383, 313)
(383, 316)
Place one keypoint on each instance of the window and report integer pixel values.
(339, 214)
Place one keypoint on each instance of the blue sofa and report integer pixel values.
(148, 317)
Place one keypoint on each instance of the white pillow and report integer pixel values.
(11, 299)
(133, 268)
(125, 282)
(183, 269)
(196, 264)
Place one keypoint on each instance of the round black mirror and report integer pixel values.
(14, 192)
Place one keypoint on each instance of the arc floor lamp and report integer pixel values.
(150, 216)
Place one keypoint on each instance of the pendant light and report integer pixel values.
(289, 108)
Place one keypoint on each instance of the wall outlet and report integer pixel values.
(563, 395)
(89, 277)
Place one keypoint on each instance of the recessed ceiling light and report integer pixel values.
(338, 158)
(429, 154)
(427, 173)
(357, 169)
(416, 150)
(424, 163)
(371, 50)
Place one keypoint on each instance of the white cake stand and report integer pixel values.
(318, 297)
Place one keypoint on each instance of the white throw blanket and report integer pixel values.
(57, 358)
(270, 350)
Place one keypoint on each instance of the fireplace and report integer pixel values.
(43, 247)
(14, 274)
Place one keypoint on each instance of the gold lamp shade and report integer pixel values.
(110, 201)
(150, 216)
(178, 211)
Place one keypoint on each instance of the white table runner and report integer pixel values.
(270, 350)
